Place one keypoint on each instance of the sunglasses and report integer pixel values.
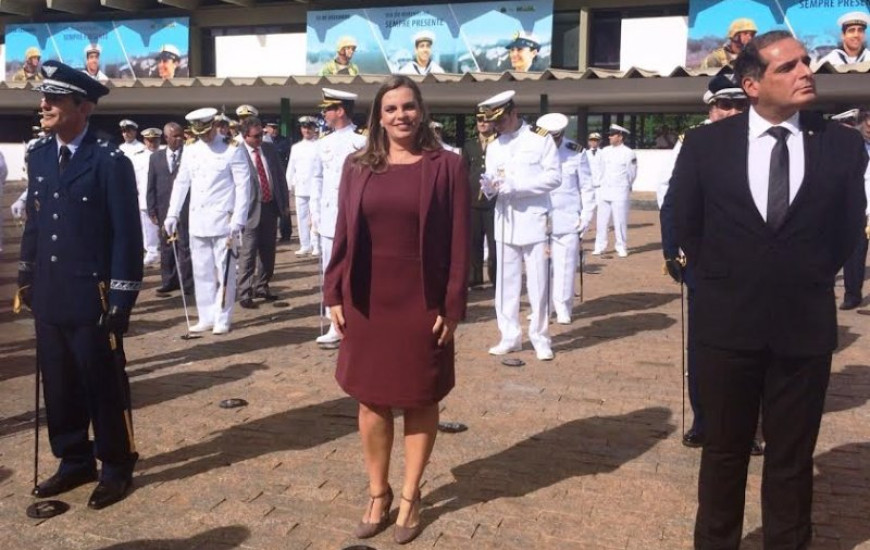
(727, 104)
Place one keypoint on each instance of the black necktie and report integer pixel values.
(777, 190)
(594, 151)
(63, 161)
(174, 161)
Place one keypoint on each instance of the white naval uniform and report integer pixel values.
(132, 147)
(219, 181)
(300, 170)
(617, 172)
(412, 67)
(528, 164)
(150, 238)
(838, 56)
(332, 150)
(573, 206)
(4, 172)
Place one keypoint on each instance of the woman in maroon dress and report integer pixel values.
(396, 288)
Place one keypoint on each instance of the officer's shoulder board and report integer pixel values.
(326, 133)
(682, 136)
(572, 146)
(538, 130)
(41, 142)
(362, 130)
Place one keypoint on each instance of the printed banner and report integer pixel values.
(139, 48)
(443, 38)
(714, 23)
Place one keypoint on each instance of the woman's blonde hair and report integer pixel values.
(376, 151)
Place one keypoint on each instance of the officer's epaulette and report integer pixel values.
(190, 141)
(362, 130)
(681, 137)
(228, 139)
(572, 145)
(40, 143)
(324, 134)
(538, 130)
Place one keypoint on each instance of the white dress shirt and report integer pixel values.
(255, 175)
(760, 148)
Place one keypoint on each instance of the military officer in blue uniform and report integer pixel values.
(80, 273)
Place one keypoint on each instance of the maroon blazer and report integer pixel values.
(444, 236)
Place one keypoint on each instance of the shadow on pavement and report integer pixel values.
(610, 329)
(5, 473)
(845, 338)
(153, 391)
(292, 430)
(586, 446)
(13, 367)
(840, 499)
(213, 347)
(623, 303)
(848, 389)
(219, 538)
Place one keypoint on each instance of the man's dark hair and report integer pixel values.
(750, 63)
(247, 123)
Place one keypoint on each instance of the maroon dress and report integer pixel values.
(389, 356)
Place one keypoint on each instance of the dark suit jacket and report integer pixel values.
(755, 288)
(475, 158)
(444, 236)
(82, 229)
(160, 181)
(277, 184)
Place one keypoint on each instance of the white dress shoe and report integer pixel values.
(201, 327)
(331, 337)
(597, 252)
(563, 319)
(315, 252)
(544, 354)
(303, 251)
(220, 329)
(621, 252)
(504, 348)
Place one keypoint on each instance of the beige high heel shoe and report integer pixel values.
(403, 534)
(366, 529)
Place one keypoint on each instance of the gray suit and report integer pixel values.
(258, 240)
(160, 180)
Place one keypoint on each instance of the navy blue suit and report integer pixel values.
(81, 255)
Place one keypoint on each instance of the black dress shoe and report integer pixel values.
(850, 302)
(757, 448)
(247, 303)
(166, 289)
(108, 493)
(61, 483)
(693, 439)
(266, 295)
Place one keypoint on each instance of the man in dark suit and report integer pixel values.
(766, 224)
(162, 168)
(269, 203)
(81, 272)
(482, 208)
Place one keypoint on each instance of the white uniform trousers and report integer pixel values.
(619, 211)
(150, 238)
(303, 223)
(509, 281)
(565, 250)
(208, 256)
(325, 256)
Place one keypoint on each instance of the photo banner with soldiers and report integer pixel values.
(442, 38)
(833, 30)
(128, 49)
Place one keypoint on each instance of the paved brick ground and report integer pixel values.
(582, 452)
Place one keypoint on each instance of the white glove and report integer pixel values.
(488, 186)
(18, 208)
(505, 189)
(170, 225)
(236, 231)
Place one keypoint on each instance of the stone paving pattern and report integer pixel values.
(582, 452)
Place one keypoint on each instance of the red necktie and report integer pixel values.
(264, 180)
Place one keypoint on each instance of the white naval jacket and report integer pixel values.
(300, 167)
(219, 181)
(529, 163)
(617, 172)
(574, 200)
(131, 148)
(332, 150)
(139, 159)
